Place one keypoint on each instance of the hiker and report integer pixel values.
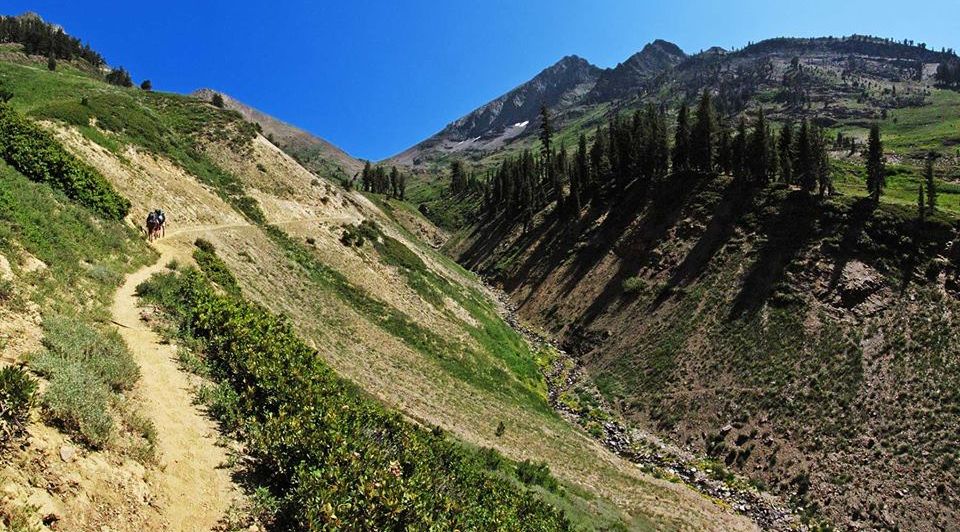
(162, 222)
(152, 225)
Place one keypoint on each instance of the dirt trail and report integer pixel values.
(193, 482)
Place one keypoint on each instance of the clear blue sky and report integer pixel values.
(375, 77)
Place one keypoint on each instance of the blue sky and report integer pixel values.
(375, 77)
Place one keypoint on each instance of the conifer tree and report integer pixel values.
(550, 176)
(579, 174)
(560, 174)
(599, 163)
(458, 177)
(785, 145)
(876, 173)
(147, 85)
(681, 140)
(51, 61)
(931, 184)
(824, 180)
(724, 151)
(366, 179)
(702, 135)
(758, 150)
(660, 150)
(395, 182)
(806, 172)
(740, 150)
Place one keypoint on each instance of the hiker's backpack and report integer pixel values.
(161, 217)
(152, 218)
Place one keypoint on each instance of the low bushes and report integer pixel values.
(332, 456)
(213, 266)
(85, 368)
(103, 355)
(17, 392)
(37, 155)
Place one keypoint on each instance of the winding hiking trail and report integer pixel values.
(193, 480)
(194, 484)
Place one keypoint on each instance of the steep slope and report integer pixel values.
(808, 343)
(406, 325)
(313, 152)
(494, 124)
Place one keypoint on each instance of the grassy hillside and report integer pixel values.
(791, 338)
(418, 334)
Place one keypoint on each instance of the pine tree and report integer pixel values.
(458, 177)
(599, 164)
(366, 179)
(546, 131)
(217, 100)
(681, 140)
(785, 145)
(876, 173)
(579, 173)
(547, 157)
(725, 151)
(931, 184)
(51, 61)
(758, 150)
(146, 85)
(561, 173)
(739, 151)
(701, 137)
(660, 149)
(395, 182)
(120, 77)
(824, 179)
(804, 162)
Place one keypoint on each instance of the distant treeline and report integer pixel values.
(948, 74)
(41, 38)
(636, 152)
(376, 179)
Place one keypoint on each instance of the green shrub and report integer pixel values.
(37, 155)
(330, 455)
(213, 266)
(536, 473)
(17, 393)
(78, 400)
(633, 285)
(85, 368)
(492, 459)
(103, 355)
(223, 403)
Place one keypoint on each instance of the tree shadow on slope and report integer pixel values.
(664, 211)
(788, 231)
(485, 236)
(732, 204)
(860, 213)
(547, 241)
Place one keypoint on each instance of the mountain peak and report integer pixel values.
(663, 46)
(492, 125)
(655, 58)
